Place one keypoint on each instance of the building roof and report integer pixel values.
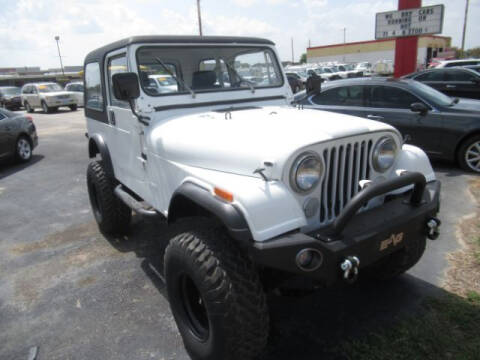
(371, 42)
(98, 54)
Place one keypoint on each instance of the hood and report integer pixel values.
(242, 140)
(467, 105)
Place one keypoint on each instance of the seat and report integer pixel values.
(204, 80)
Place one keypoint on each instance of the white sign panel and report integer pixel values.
(409, 22)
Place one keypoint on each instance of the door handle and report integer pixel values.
(450, 86)
(375, 117)
(112, 117)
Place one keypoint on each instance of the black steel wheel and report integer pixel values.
(215, 294)
(111, 214)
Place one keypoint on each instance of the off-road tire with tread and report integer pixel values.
(112, 215)
(399, 262)
(229, 287)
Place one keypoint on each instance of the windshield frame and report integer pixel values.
(220, 90)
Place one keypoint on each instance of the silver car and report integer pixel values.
(76, 88)
(47, 96)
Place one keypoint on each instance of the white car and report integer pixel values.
(46, 96)
(461, 62)
(77, 90)
(163, 83)
(364, 67)
(256, 191)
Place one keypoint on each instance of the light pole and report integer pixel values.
(199, 18)
(57, 38)
(465, 26)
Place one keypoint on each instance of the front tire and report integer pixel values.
(469, 154)
(215, 295)
(46, 108)
(28, 107)
(73, 107)
(111, 214)
(23, 149)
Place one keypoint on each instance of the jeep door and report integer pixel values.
(125, 146)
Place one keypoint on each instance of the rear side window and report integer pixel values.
(431, 76)
(459, 75)
(462, 63)
(345, 95)
(391, 97)
(93, 87)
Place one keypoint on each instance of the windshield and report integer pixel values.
(46, 88)
(10, 91)
(206, 68)
(431, 94)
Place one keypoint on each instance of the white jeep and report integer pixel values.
(261, 191)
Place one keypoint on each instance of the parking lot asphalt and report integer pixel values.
(74, 294)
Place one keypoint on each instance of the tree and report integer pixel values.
(303, 58)
(474, 53)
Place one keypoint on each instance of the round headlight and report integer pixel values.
(384, 154)
(306, 172)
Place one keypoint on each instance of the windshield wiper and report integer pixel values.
(178, 80)
(249, 84)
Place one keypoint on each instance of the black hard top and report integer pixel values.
(99, 54)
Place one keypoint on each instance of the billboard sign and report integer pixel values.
(409, 22)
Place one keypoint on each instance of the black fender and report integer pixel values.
(96, 144)
(227, 213)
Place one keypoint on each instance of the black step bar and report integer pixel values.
(133, 203)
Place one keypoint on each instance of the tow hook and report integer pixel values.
(349, 267)
(432, 228)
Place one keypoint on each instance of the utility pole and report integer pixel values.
(199, 18)
(344, 42)
(293, 59)
(465, 26)
(57, 38)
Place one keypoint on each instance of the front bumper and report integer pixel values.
(13, 102)
(369, 235)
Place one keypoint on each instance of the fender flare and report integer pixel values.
(227, 213)
(97, 144)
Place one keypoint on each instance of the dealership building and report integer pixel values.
(429, 46)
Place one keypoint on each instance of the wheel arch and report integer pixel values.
(192, 200)
(97, 145)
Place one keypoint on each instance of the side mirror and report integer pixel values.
(419, 107)
(314, 84)
(125, 86)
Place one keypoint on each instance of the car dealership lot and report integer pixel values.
(76, 295)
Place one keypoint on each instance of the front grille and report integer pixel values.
(345, 166)
(63, 96)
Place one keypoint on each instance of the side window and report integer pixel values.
(347, 95)
(391, 97)
(93, 87)
(431, 76)
(116, 65)
(459, 75)
(2, 116)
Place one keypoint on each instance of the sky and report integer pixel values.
(28, 27)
